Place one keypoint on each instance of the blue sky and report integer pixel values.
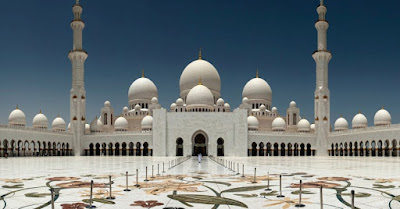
(123, 37)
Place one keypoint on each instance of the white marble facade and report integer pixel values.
(200, 121)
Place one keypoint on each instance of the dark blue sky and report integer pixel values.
(162, 37)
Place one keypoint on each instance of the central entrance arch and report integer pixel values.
(200, 141)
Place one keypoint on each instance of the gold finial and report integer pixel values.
(17, 107)
(200, 54)
(77, 2)
(200, 83)
(322, 2)
(383, 107)
(58, 115)
(142, 73)
(257, 76)
(359, 111)
(40, 112)
(341, 115)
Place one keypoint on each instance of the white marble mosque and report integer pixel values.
(200, 121)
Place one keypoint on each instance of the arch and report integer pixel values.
(253, 149)
(283, 149)
(373, 148)
(380, 148)
(261, 149)
(220, 147)
(269, 151)
(19, 148)
(332, 150)
(302, 149)
(296, 149)
(200, 143)
(131, 148)
(350, 149)
(308, 149)
(341, 149)
(294, 119)
(387, 150)
(25, 148)
(104, 149)
(5, 148)
(289, 149)
(276, 149)
(394, 148)
(63, 149)
(68, 151)
(367, 149)
(91, 152)
(110, 149)
(337, 149)
(32, 148)
(117, 152)
(145, 149)
(54, 149)
(179, 147)
(123, 149)
(345, 149)
(105, 119)
(355, 149)
(138, 149)
(58, 149)
(97, 149)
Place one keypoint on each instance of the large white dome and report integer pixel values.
(40, 121)
(196, 70)
(303, 126)
(96, 125)
(58, 124)
(17, 118)
(278, 124)
(257, 89)
(142, 89)
(147, 122)
(359, 121)
(121, 124)
(200, 95)
(382, 118)
(341, 124)
(252, 123)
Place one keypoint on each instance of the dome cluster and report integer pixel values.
(382, 118)
(17, 118)
(257, 92)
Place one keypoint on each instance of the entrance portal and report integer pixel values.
(200, 145)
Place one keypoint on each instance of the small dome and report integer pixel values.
(142, 88)
(274, 110)
(173, 106)
(96, 125)
(69, 126)
(154, 100)
(359, 121)
(245, 100)
(107, 104)
(341, 124)
(382, 118)
(125, 109)
(179, 102)
(147, 122)
(200, 95)
(87, 128)
(58, 124)
(121, 124)
(227, 106)
(17, 118)
(137, 107)
(40, 121)
(278, 124)
(220, 102)
(257, 89)
(303, 125)
(200, 69)
(312, 127)
(252, 123)
(262, 108)
(292, 104)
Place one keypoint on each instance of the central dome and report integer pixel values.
(196, 70)
(257, 89)
(200, 95)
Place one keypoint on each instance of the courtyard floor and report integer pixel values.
(25, 182)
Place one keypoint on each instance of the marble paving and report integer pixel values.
(25, 182)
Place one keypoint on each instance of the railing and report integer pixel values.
(282, 133)
(24, 128)
(120, 133)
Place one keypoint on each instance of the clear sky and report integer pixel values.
(123, 37)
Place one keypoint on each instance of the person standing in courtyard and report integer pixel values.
(199, 156)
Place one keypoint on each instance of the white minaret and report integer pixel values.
(322, 95)
(77, 94)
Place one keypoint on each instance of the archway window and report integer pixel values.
(179, 147)
(294, 119)
(200, 145)
(145, 149)
(105, 119)
(220, 147)
(253, 149)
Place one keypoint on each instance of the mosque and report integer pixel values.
(200, 121)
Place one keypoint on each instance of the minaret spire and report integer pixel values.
(77, 56)
(322, 58)
(200, 54)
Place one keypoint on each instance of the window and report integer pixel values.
(294, 119)
(105, 119)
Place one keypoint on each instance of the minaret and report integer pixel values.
(77, 94)
(322, 95)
